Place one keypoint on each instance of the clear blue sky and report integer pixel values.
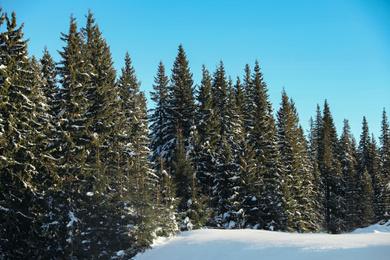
(337, 50)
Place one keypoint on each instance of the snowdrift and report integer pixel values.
(369, 243)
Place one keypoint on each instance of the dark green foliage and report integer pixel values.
(159, 118)
(366, 170)
(49, 83)
(226, 172)
(330, 170)
(18, 198)
(262, 140)
(298, 182)
(348, 162)
(83, 176)
(181, 103)
(385, 164)
(206, 137)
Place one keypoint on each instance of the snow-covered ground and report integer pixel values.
(369, 243)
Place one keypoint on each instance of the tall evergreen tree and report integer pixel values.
(366, 215)
(19, 176)
(159, 116)
(378, 180)
(182, 102)
(330, 170)
(227, 170)
(50, 87)
(141, 185)
(313, 140)
(348, 163)
(159, 123)
(206, 134)
(261, 137)
(71, 151)
(298, 183)
(385, 163)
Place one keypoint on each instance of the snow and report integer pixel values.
(369, 243)
(73, 219)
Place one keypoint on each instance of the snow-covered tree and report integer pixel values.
(181, 113)
(348, 163)
(298, 181)
(158, 118)
(261, 137)
(385, 164)
(366, 214)
(20, 177)
(329, 166)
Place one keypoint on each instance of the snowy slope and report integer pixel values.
(370, 243)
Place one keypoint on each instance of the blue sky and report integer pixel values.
(337, 50)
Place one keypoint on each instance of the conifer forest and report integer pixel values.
(86, 170)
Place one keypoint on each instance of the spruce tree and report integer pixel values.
(348, 163)
(141, 184)
(298, 183)
(261, 137)
(378, 180)
(159, 122)
(50, 87)
(366, 214)
(329, 166)
(313, 140)
(181, 103)
(71, 149)
(385, 163)
(206, 133)
(159, 116)
(227, 170)
(20, 177)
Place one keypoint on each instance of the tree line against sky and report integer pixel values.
(88, 171)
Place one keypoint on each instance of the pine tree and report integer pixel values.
(330, 170)
(313, 140)
(159, 122)
(183, 178)
(101, 94)
(227, 170)
(71, 149)
(298, 183)
(50, 87)
(385, 164)
(20, 178)
(261, 137)
(348, 163)
(159, 116)
(366, 215)
(141, 182)
(181, 103)
(378, 180)
(206, 137)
